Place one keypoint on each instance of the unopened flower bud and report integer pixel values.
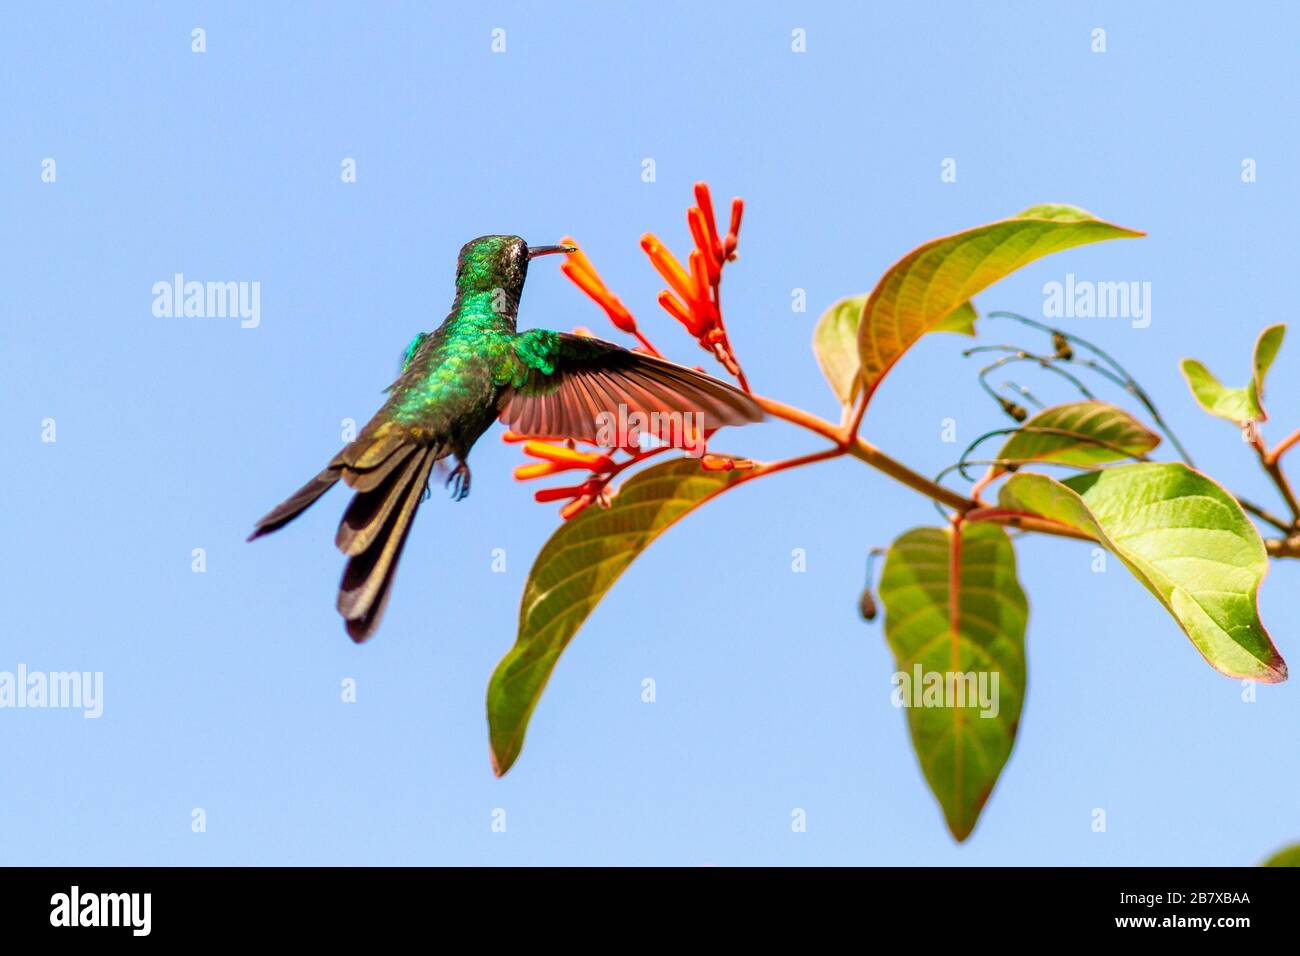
(1017, 412)
(867, 605)
(1062, 346)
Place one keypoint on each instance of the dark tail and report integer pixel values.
(296, 503)
(373, 533)
(388, 474)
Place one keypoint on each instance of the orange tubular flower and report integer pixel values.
(696, 219)
(674, 307)
(693, 300)
(567, 458)
(577, 267)
(666, 265)
(574, 506)
(693, 297)
(579, 270)
(704, 200)
(733, 234)
(699, 275)
(558, 494)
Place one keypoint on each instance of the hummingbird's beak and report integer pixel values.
(535, 251)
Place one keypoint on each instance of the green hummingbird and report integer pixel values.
(455, 381)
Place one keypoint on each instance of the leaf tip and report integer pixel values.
(501, 762)
(1277, 672)
(962, 829)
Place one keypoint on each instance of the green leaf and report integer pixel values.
(924, 287)
(575, 568)
(1185, 538)
(1239, 405)
(1078, 433)
(1288, 856)
(1266, 348)
(962, 749)
(835, 342)
(960, 320)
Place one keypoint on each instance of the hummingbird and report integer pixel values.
(455, 382)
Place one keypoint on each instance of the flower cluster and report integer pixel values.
(693, 300)
(693, 297)
(556, 458)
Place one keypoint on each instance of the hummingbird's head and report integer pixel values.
(497, 262)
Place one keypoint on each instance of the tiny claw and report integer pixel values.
(458, 481)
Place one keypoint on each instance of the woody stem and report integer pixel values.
(1281, 448)
(1271, 466)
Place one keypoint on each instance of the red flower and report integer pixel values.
(692, 298)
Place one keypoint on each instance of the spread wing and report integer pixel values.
(569, 384)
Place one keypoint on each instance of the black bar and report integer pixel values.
(334, 905)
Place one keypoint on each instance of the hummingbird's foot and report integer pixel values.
(458, 481)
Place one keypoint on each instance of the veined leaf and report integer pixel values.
(960, 320)
(979, 663)
(573, 571)
(924, 287)
(1240, 405)
(1078, 433)
(1288, 856)
(1185, 538)
(835, 342)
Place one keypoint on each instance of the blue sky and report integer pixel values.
(222, 688)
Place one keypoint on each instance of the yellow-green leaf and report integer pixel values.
(960, 320)
(1239, 405)
(1288, 856)
(835, 342)
(924, 287)
(1078, 433)
(1184, 538)
(962, 687)
(573, 571)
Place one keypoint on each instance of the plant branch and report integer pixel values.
(847, 442)
(1274, 471)
(1026, 522)
(1262, 515)
(1283, 446)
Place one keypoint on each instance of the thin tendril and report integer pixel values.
(1128, 382)
(1023, 392)
(1020, 355)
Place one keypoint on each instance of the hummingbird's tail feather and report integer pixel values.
(372, 506)
(373, 532)
(368, 460)
(369, 480)
(296, 503)
(362, 468)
